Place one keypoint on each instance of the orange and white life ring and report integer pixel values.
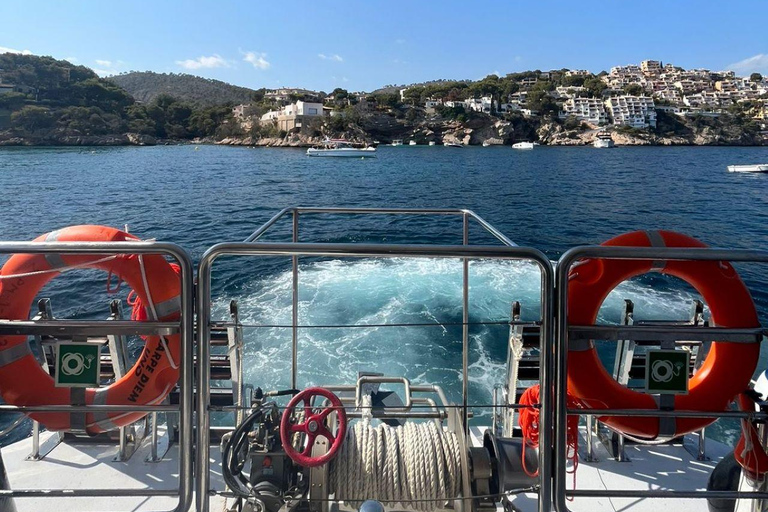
(24, 382)
(727, 369)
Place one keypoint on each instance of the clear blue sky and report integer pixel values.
(363, 45)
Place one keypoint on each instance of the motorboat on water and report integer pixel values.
(449, 144)
(341, 148)
(431, 143)
(523, 145)
(748, 168)
(603, 140)
(397, 142)
(122, 434)
(412, 143)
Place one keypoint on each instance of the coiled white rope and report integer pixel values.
(416, 466)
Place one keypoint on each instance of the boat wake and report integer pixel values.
(382, 299)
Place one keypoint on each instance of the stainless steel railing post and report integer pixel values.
(295, 304)
(465, 329)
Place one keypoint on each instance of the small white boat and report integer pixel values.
(412, 143)
(431, 143)
(486, 143)
(341, 148)
(523, 145)
(453, 145)
(748, 168)
(397, 142)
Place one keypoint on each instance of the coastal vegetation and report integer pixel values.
(56, 102)
(146, 86)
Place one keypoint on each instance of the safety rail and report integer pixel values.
(565, 332)
(86, 328)
(295, 250)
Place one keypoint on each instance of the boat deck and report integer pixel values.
(90, 465)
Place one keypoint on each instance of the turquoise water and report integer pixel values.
(549, 198)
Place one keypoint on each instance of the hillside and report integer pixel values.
(52, 102)
(146, 86)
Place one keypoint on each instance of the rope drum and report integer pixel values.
(416, 466)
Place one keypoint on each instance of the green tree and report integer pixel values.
(755, 77)
(595, 87)
(32, 118)
(633, 89)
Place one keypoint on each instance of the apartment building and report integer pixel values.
(634, 111)
(651, 67)
(591, 110)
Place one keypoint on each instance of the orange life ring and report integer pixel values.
(24, 382)
(726, 371)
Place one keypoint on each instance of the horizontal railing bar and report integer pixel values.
(86, 327)
(383, 211)
(224, 408)
(221, 325)
(669, 332)
(662, 254)
(74, 493)
(94, 248)
(88, 408)
(669, 414)
(660, 493)
(376, 251)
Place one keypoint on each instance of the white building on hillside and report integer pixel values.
(293, 115)
(481, 104)
(634, 111)
(591, 110)
(650, 67)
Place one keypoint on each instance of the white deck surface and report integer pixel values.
(671, 466)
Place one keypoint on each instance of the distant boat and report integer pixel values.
(397, 142)
(486, 143)
(341, 148)
(748, 168)
(523, 145)
(412, 143)
(603, 140)
(431, 143)
(453, 145)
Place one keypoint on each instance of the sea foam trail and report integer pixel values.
(370, 293)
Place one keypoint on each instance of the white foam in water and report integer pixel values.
(402, 291)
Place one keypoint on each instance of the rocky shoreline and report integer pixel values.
(488, 130)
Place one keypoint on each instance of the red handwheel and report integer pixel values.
(314, 425)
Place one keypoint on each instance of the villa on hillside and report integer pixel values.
(293, 115)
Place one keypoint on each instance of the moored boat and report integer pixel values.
(449, 144)
(397, 142)
(412, 143)
(523, 145)
(748, 168)
(341, 148)
(603, 140)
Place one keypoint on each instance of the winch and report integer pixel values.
(325, 451)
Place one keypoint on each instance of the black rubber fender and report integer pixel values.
(725, 477)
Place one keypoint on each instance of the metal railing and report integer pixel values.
(84, 328)
(564, 332)
(294, 250)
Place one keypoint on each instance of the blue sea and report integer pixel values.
(550, 198)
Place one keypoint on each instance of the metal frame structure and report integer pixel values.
(119, 327)
(564, 332)
(294, 250)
